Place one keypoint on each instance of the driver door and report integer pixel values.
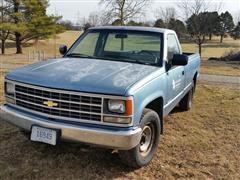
(175, 74)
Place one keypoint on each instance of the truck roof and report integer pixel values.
(136, 28)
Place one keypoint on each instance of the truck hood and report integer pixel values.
(82, 74)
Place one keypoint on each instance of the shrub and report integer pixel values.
(230, 56)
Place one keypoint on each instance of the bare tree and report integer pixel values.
(94, 19)
(166, 14)
(193, 7)
(236, 17)
(105, 18)
(78, 21)
(218, 6)
(124, 9)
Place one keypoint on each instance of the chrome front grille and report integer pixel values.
(67, 104)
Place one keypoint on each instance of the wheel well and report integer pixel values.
(157, 106)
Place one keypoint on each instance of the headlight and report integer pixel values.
(9, 88)
(116, 106)
(119, 111)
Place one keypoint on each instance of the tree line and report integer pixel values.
(199, 27)
(199, 23)
(25, 20)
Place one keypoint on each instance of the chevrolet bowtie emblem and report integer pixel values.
(50, 103)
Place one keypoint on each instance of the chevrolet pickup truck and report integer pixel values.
(112, 88)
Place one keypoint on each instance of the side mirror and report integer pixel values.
(62, 49)
(179, 60)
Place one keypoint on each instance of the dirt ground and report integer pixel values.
(203, 143)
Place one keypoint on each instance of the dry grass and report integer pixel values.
(213, 48)
(12, 61)
(50, 46)
(200, 144)
(210, 49)
(220, 68)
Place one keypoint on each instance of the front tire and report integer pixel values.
(143, 153)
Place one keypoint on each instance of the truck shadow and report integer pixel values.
(176, 110)
(31, 160)
(82, 160)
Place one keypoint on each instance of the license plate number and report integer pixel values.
(44, 135)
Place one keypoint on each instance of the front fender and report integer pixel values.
(143, 104)
(148, 92)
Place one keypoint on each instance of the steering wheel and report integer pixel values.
(148, 53)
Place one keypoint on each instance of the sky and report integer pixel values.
(75, 10)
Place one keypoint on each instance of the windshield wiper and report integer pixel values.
(145, 63)
(79, 55)
(128, 60)
(136, 61)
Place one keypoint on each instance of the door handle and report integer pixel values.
(183, 72)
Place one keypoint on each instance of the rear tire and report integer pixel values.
(186, 103)
(143, 153)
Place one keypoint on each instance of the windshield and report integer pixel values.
(122, 45)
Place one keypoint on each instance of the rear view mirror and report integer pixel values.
(121, 36)
(62, 49)
(179, 60)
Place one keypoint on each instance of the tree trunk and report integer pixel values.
(3, 46)
(122, 21)
(18, 43)
(221, 39)
(200, 49)
(17, 34)
(122, 13)
(210, 36)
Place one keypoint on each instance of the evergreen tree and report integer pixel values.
(5, 26)
(31, 21)
(159, 23)
(196, 26)
(212, 23)
(116, 22)
(178, 26)
(235, 34)
(134, 23)
(225, 25)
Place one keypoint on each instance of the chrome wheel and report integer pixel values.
(146, 141)
(143, 153)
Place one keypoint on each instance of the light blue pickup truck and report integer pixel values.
(112, 89)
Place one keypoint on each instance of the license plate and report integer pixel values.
(44, 135)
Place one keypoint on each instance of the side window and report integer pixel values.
(172, 46)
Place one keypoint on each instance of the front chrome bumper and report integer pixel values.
(121, 139)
